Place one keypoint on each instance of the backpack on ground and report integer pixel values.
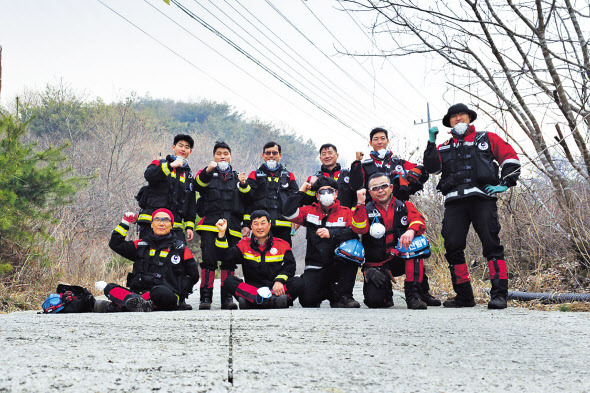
(69, 299)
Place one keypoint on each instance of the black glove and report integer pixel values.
(376, 276)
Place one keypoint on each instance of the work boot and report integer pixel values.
(413, 300)
(464, 296)
(279, 301)
(244, 304)
(102, 306)
(498, 294)
(345, 302)
(184, 306)
(227, 302)
(205, 299)
(139, 304)
(427, 298)
(388, 302)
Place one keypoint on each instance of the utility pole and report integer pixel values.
(428, 120)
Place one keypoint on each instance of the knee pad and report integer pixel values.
(164, 298)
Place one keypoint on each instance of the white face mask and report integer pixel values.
(264, 292)
(223, 166)
(382, 153)
(271, 165)
(327, 199)
(377, 230)
(460, 129)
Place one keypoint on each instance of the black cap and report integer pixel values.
(323, 181)
(458, 108)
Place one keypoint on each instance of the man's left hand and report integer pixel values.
(324, 233)
(407, 238)
(189, 235)
(278, 289)
(491, 190)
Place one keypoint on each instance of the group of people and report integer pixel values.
(356, 218)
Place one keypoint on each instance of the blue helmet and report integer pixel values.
(351, 250)
(418, 248)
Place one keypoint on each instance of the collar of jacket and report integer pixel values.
(268, 245)
(388, 156)
(469, 135)
(331, 172)
(264, 169)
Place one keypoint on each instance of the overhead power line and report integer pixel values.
(328, 57)
(268, 70)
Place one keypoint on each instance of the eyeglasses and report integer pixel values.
(380, 187)
(271, 153)
(326, 191)
(164, 220)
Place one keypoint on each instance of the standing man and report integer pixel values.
(271, 185)
(470, 183)
(407, 177)
(164, 270)
(328, 224)
(331, 168)
(222, 195)
(267, 262)
(170, 186)
(384, 222)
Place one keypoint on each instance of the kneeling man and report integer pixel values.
(267, 262)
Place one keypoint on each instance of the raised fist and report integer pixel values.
(359, 155)
(178, 162)
(361, 196)
(305, 187)
(212, 165)
(242, 178)
(221, 225)
(130, 217)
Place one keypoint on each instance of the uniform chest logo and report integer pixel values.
(175, 259)
(274, 251)
(399, 168)
(346, 179)
(404, 220)
(483, 146)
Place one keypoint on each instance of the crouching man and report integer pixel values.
(267, 263)
(164, 270)
(384, 222)
(328, 225)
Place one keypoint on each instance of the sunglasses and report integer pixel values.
(164, 220)
(326, 191)
(271, 153)
(380, 187)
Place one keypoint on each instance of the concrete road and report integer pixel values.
(332, 350)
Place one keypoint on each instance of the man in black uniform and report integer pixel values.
(470, 183)
(222, 192)
(332, 169)
(170, 186)
(164, 270)
(267, 262)
(407, 177)
(271, 185)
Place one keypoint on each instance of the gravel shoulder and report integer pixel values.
(334, 350)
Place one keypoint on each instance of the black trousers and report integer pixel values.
(330, 282)
(209, 252)
(249, 291)
(282, 233)
(162, 296)
(483, 214)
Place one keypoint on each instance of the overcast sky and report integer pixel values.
(99, 54)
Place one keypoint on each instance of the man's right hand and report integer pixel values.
(432, 132)
(361, 196)
(245, 232)
(130, 217)
(212, 165)
(376, 276)
(359, 155)
(305, 187)
(177, 163)
(221, 225)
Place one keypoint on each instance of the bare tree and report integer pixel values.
(526, 59)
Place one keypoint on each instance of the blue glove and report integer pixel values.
(432, 134)
(491, 190)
